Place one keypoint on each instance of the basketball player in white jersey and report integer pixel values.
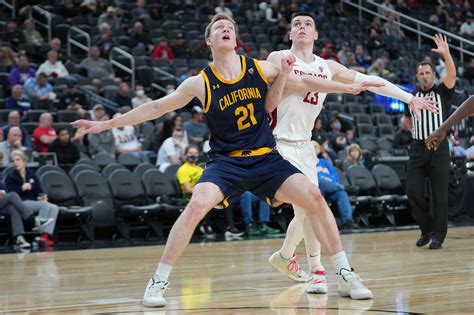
(292, 122)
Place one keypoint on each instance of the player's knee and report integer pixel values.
(197, 209)
(316, 201)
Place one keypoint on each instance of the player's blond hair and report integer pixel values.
(218, 17)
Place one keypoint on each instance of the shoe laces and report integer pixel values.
(318, 276)
(294, 266)
(158, 286)
(351, 275)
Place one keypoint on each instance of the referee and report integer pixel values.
(425, 163)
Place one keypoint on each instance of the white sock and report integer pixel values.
(314, 261)
(339, 261)
(163, 271)
(294, 235)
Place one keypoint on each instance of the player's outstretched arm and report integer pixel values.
(466, 109)
(275, 92)
(342, 74)
(190, 88)
(305, 83)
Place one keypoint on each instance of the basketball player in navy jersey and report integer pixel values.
(464, 110)
(293, 115)
(232, 91)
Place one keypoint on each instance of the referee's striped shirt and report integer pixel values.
(429, 122)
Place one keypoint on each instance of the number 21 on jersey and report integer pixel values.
(311, 98)
(246, 116)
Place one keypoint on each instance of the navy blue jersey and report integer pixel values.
(235, 110)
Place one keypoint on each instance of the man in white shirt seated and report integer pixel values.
(171, 150)
(125, 139)
(52, 67)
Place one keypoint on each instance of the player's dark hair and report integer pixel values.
(302, 13)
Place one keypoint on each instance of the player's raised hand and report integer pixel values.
(287, 63)
(357, 88)
(89, 126)
(433, 141)
(441, 43)
(426, 103)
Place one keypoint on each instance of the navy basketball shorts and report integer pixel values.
(261, 175)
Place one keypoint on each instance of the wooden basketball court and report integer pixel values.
(235, 278)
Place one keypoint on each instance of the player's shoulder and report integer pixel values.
(278, 54)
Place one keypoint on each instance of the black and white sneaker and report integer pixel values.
(154, 292)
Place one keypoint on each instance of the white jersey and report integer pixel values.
(294, 118)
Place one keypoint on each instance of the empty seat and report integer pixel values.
(355, 108)
(141, 168)
(34, 114)
(384, 143)
(386, 131)
(365, 130)
(368, 144)
(382, 119)
(68, 116)
(362, 118)
(108, 169)
(103, 159)
(76, 169)
(47, 168)
(129, 159)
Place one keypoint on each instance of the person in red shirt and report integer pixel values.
(44, 134)
(162, 50)
(329, 54)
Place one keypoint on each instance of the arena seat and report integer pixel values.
(141, 168)
(108, 169)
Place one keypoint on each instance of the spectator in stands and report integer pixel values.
(31, 35)
(66, 151)
(14, 120)
(72, 99)
(247, 199)
(97, 68)
(379, 68)
(13, 35)
(375, 42)
(337, 139)
(195, 128)
(467, 28)
(392, 30)
(102, 142)
(384, 8)
(469, 71)
(105, 41)
(328, 53)
(109, 17)
(352, 63)
(254, 14)
(344, 52)
(350, 135)
(354, 156)
(363, 59)
(140, 96)
(40, 91)
(53, 67)
(67, 10)
(140, 12)
(7, 58)
(280, 33)
(21, 73)
(272, 13)
(122, 98)
(12, 143)
(56, 45)
(162, 50)
(403, 137)
(171, 150)
(332, 189)
(125, 139)
(318, 128)
(189, 173)
(138, 37)
(26, 184)
(221, 8)
(97, 112)
(17, 101)
(44, 134)
(263, 54)
(180, 48)
(402, 7)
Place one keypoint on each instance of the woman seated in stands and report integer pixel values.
(12, 205)
(26, 184)
(354, 157)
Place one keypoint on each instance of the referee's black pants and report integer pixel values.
(425, 163)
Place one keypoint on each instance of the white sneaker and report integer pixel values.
(317, 282)
(153, 296)
(288, 267)
(21, 242)
(351, 285)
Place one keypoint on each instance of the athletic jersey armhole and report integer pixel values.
(260, 72)
(207, 99)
